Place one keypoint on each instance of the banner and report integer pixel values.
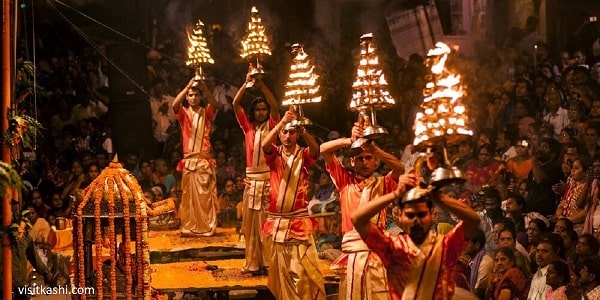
(415, 30)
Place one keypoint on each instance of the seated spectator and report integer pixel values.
(59, 120)
(442, 221)
(24, 251)
(60, 207)
(513, 205)
(506, 238)
(163, 175)
(555, 114)
(325, 198)
(99, 138)
(146, 171)
(149, 196)
(228, 198)
(464, 156)
(86, 157)
(544, 174)
(590, 278)
(570, 239)
(557, 278)
(485, 170)
(575, 198)
(535, 230)
(479, 262)
(92, 171)
(159, 192)
(87, 107)
(518, 167)
(74, 183)
(587, 246)
(563, 224)
(102, 159)
(37, 201)
(548, 250)
(507, 281)
(40, 229)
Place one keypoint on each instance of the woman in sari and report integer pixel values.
(520, 165)
(485, 170)
(575, 198)
(507, 282)
(75, 181)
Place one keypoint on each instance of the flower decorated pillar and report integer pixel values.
(111, 220)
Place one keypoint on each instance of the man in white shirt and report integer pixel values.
(555, 115)
(162, 116)
(547, 251)
(504, 146)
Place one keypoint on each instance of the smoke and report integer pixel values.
(178, 19)
(369, 19)
(174, 22)
(238, 23)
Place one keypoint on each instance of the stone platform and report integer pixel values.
(193, 267)
(189, 267)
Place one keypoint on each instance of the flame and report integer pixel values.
(198, 52)
(255, 41)
(369, 86)
(442, 112)
(302, 86)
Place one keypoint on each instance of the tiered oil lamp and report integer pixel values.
(301, 87)
(198, 52)
(370, 92)
(255, 45)
(442, 119)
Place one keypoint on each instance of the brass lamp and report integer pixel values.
(416, 194)
(198, 52)
(255, 45)
(370, 92)
(301, 87)
(442, 119)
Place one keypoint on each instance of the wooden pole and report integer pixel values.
(6, 78)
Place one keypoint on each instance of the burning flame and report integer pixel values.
(301, 87)
(442, 112)
(198, 52)
(369, 87)
(255, 41)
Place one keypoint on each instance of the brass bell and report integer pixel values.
(301, 120)
(416, 194)
(445, 176)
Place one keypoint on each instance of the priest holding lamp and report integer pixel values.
(294, 264)
(420, 263)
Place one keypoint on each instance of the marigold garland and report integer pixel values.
(112, 236)
(138, 250)
(98, 240)
(145, 253)
(125, 198)
(161, 207)
(113, 186)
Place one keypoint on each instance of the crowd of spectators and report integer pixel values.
(532, 168)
